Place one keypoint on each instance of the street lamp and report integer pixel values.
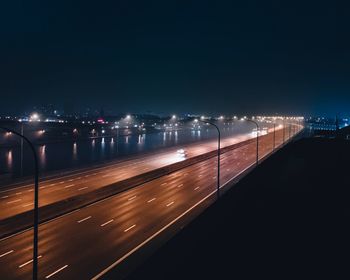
(36, 203)
(284, 128)
(21, 163)
(34, 117)
(289, 131)
(218, 152)
(257, 139)
(274, 136)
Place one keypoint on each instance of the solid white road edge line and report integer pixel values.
(162, 229)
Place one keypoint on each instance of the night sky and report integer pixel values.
(163, 56)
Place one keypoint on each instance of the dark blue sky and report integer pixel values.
(191, 56)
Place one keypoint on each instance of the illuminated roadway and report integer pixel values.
(20, 199)
(85, 243)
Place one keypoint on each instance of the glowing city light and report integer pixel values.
(34, 117)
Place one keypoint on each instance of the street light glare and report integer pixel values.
(34, 116)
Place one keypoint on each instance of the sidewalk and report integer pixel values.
(288, 219)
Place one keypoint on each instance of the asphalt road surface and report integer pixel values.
(20, 199)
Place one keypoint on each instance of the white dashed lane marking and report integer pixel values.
(7, 253)
(13, 201)
(28, 262)
(129, 228)
(106, 223)
(82, 220)
(55, 272)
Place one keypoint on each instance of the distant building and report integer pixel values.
(328, 126)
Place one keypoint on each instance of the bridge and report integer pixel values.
(112, 216)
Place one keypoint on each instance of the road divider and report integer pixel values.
(23, 221)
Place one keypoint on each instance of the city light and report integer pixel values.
(34, 117)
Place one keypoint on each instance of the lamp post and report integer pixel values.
(22, 133)
(257, 139)
(218, 153)
(36, 198)
(274, 136)
(284, 130)
(293, 128)
(290, 127)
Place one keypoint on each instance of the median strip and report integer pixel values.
(23, 221)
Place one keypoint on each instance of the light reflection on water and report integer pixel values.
(42, 155)
(75, 152)
(65, 155)
(9, 159)
(176, 137)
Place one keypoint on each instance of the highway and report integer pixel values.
(84, 243)
(20, 199)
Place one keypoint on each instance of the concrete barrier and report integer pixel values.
(24, 221)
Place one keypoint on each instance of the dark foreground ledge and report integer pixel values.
(289, 218)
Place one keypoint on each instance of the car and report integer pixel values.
(182, 153)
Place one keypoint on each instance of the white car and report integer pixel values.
(182, 153)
